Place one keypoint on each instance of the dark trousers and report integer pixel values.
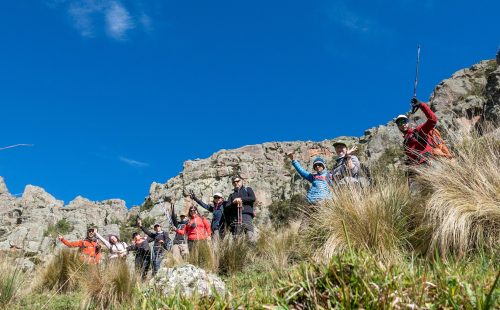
(246, 226)
(142, 263)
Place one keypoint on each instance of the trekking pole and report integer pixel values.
(415, 84)
(240, 215)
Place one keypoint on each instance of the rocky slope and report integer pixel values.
(30, 223)
(470, 98)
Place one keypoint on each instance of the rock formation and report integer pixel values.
(31, 223)
(470, 98)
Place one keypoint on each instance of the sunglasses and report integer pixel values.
(401, 122)
(217, 197)
(193, 210)
(236, 181)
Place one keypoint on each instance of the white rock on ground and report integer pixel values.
(187, 280)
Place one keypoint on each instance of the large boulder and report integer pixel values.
(187, 280)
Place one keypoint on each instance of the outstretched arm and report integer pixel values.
(305, 174)
(148, 232)
(202, 204)
(106, 242)
(431, 119)
(74, 244)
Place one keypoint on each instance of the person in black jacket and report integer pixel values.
(161, 244)
(142, 254)
(238, 211)
(179, 249)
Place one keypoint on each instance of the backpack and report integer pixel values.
(435, 141)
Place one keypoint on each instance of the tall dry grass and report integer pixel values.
(276, 250)
(109, 286)
(62, 272)
(376, 219)
(462, 197)
(231, 254)
(12, 280)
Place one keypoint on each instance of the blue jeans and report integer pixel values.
(158, 254)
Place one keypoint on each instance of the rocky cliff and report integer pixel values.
(31, 223)
(469, 99)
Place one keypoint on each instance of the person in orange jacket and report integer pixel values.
(90, 247)
(197, 228)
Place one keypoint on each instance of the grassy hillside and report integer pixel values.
(382, 246)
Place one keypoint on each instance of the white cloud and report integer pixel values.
(93, 17)
(133, 163)
(118, 21)
(357, 22)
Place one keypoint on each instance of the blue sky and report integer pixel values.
(117, 94)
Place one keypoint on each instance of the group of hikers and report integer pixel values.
(235, 214)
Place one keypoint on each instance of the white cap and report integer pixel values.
(218, 195)
(401, 116)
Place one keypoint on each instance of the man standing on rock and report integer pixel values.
(347, 167)
(90, 248)
(161, 244)
(239, 210)
(417, 142)
(217, 208)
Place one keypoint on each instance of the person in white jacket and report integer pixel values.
(117, 248)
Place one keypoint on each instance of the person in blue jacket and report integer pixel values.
(321, 180)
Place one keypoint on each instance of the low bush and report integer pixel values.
(63, 226)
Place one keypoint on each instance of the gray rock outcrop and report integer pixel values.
(30, 224)
(187, 281)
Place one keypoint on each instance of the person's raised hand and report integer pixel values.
(352, 150)
(60, 237)
(290, 156)
(139, 223)
(415, 104)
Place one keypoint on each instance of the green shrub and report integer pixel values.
(282, 212)
(147, 205)
(63, 226)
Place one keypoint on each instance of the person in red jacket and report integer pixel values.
(416, 139)
(197, 228)
(90, 248)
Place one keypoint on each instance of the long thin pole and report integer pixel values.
(14, 146)
(416, 73)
